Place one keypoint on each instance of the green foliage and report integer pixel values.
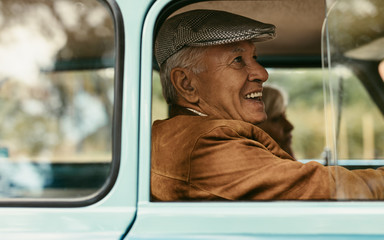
(60, 116)
(159, 106)
(306, 111)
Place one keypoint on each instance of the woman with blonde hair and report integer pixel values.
(277, 124)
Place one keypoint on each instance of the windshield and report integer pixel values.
(353, 53)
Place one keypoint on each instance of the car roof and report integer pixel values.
(298, 23)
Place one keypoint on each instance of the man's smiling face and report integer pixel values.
(231, 85)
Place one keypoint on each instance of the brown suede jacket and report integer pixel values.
(201, 158)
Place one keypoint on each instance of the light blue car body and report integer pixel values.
(126, 211)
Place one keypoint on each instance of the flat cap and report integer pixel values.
(199, 28)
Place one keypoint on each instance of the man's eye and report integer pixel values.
(238, 59)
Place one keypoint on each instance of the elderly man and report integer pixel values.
(210, 148)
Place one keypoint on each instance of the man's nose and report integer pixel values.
(256, 72)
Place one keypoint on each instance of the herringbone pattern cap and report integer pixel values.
(207, 28)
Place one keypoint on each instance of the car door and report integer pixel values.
(297, 61)
(68, 141)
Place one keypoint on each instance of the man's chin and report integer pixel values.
(257, 119)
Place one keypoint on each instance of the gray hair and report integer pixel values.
(187, 57)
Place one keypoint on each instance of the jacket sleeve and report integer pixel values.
(227, 164)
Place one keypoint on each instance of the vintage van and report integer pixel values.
(79, 90)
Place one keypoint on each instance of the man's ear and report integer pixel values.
(183, 80)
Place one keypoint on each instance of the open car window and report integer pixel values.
(334, 101)
(293, 61)
(57, 91)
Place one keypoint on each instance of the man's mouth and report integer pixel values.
(254, 95)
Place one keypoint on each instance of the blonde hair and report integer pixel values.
(275, 100)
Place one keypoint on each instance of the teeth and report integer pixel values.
(254, 95)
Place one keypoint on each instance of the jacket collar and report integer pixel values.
(175, 110)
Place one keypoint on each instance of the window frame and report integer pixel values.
(157, 14)
(119, 40)
(237, 219)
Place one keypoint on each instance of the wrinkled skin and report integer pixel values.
(231, 84)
